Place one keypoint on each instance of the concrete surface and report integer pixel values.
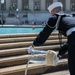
(64, 72)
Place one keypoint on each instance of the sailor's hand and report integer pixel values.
(30, 48)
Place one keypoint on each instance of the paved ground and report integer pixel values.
(65, 72)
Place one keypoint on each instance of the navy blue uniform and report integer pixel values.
(66, 23)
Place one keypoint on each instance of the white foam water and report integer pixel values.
(39, 59)
(46, 57)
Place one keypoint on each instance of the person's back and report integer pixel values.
(66, 22)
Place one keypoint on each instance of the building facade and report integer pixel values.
(33, 10)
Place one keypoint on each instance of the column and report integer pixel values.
(19, 5)
(0, 5)
(8, 3)
(42, 5)
(31, 4)
(68, 5)
(55, 0)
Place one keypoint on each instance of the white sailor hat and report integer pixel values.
(54, 5)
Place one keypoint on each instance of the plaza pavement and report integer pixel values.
(64, 72)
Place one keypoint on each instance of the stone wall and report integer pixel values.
(31, 16)
(38, 17)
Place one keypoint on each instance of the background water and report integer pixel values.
(13, 30)
(17, 30)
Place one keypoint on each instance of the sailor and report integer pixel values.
(66, 25)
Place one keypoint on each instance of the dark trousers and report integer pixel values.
(71, 53)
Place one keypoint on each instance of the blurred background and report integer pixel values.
(29, 11)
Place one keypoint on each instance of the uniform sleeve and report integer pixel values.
(44, 34)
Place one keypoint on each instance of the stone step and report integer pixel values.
(17, 35)
(26, 44)
(19, 39)
(21, 51)
(59, 72)
(33, 69)
(22, 35)
(14, 55)
(22, 39)
(13, 52)
(14, 60)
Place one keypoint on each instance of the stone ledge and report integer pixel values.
(33, 69)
